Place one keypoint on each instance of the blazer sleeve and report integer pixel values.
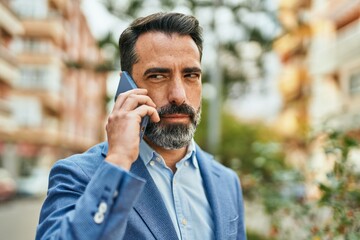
(79, 206)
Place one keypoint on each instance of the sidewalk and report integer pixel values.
(19, 218)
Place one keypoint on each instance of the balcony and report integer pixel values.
(49, 99)
(294, 4)
(48, 137)
(5, 113)
(348, 42)
(40, 59)
(40, 136)
(8, 72)
(343, 12)
(8, 69)
(61, 5)
(51, 102)
(9, 22)
(292, 43)
(328, 55)
(322, 58)
(37, 52)
(45, 28)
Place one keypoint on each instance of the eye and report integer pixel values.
(156, 77)
(192, 76)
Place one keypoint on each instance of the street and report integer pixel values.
(19, 218)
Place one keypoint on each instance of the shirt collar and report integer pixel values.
(147, 153)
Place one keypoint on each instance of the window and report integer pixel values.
(27, 111)
(30, 9)
(32, 45)
(354, 83)
(40, 78)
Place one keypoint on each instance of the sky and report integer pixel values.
(255, 105)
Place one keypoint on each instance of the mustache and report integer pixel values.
(177, 109)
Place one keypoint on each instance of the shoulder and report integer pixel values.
(216, 167)
(86, 162)
(225, 181)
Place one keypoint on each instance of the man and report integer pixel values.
(161, 187)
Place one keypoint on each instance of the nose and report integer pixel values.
(177, 93)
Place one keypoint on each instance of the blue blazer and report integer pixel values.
(89, 198)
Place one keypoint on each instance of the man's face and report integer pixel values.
(169, 68)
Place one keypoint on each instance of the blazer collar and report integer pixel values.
(151, 207)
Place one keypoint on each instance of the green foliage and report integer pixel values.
(336, 214)
(254, 236)
(256, 153)
(341, 190)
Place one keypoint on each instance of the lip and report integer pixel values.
(176, 117)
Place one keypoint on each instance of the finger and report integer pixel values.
(145, 110)
(123, 96)
(134, 100)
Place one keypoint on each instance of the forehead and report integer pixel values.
(158, 44)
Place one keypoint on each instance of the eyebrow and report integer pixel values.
(167, 70)
(192, 70)
(156, 70)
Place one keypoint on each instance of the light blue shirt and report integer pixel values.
(183, 193)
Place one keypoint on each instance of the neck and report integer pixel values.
(171, 157)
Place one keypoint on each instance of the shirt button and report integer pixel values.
(98, 218)
(183, 221)
(186, 164)
(102, 207)
(152, 163)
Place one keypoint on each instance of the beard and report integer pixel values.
(173, 136)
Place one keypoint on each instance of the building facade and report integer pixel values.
(320, 83)
(10, 29)
(334, 65)
(58, 96)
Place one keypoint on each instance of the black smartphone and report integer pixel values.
(127, 83)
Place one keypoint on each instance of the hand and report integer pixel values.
(123, 126)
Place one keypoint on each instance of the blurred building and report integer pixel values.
(10, 28)
(334, 65)
(55, 92)
(320, 52)
(292, 47)
(320, 84)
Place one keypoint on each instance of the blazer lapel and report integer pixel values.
(210, 179)
(151, 207)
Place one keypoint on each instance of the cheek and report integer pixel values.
(158, 96)
(194, 96)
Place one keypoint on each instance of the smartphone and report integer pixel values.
(127, 83)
